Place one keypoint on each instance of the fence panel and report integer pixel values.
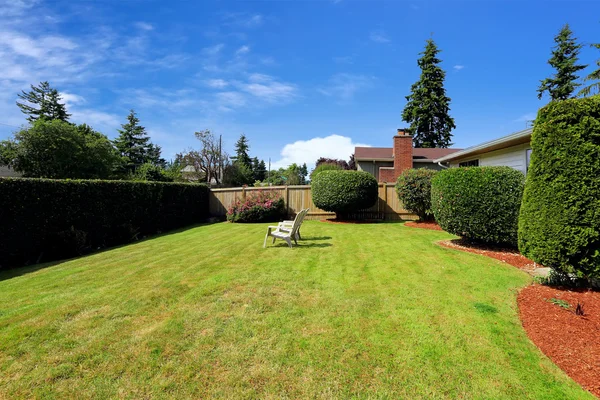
(388, 207)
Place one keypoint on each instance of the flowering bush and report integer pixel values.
(259, 206)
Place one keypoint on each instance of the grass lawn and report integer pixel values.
(364, 311)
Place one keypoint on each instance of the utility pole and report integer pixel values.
(220, 159)
(269, 173)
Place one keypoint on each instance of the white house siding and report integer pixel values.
(514, 157)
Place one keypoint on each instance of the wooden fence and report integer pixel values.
(388, 207)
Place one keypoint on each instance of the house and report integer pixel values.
(387, 163)
(513, 150)
(8, 172)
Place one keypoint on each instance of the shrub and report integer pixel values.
(344, 192)
(324, 167)
(44, 220)
(151, 172)
(258, 206)
(559, 225)
(478, 203)
(414, 191)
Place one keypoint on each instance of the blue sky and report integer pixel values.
(301, 79)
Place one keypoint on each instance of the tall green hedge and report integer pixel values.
(479, 203)
(43, 219)
(559, 225)
(414, 191)
(344, 192)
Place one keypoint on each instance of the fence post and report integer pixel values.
(243, 193)
(287, 199)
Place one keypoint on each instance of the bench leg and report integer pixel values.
(289, 241)
(265, 242)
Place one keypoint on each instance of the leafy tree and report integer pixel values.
(343, 164)
(134, 145)
(208, 163)
(565, 56)
(594, 76)
(237, 174)
(151, 172)
(352, 163)
(58, 149)
(241, 152)
(428, 107)
(324, 167)
(42, 102)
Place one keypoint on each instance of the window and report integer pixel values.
(472, 163)
(528, 158)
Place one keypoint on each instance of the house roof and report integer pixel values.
(387, 153)
(513, 139)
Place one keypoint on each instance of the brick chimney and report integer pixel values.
(403, 152)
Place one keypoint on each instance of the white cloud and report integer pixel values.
(228, 100)
(242, 50)
(526, 117)
(144, 26)
(71, 99)
(458, 67)
(217, 83)
(213, 50)
(345, 86)
(379, 37)
(243, 20)
(308, 151)
(268, 88)
(105, 122)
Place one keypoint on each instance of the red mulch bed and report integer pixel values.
(424, 225)
(570, 340)
(509, 256)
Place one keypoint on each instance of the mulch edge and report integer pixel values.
(451, 244)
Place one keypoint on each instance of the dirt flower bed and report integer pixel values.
(571, 341)
(509, 256)
(424, 225)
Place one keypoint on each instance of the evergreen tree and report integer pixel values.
(241, 152)
(428, 107)
(134, 145)
(594, 76)
(42, 102)
(262, 171)
(564, 60)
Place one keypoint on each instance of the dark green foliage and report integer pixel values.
(344, 192)
(259, 169)
(565, 56)
(594, 87)
(325, 167)
(414, 191)
(241, 152)
(44, 220)
(42, 102)
(151, 172)
(258, 206)
(559, 225)
(478, 203)
(58, 149)
(133, 143)
(428, 108)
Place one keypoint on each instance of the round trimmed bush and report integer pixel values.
(559, 225)
(479, 203)
(414, 191)
(344, 192)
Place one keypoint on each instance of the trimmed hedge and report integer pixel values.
(414, 191)
(344, 192)
(259, 206)
(44, 220)
(559, 225)
(479, 203)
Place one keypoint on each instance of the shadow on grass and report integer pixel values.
(14, 272)
(316, 238)
(300, 245)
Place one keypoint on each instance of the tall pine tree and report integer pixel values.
(564, 60)
(241, 152)
(42, 102)
(428, 107)
(594, 76)
(133, 143)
